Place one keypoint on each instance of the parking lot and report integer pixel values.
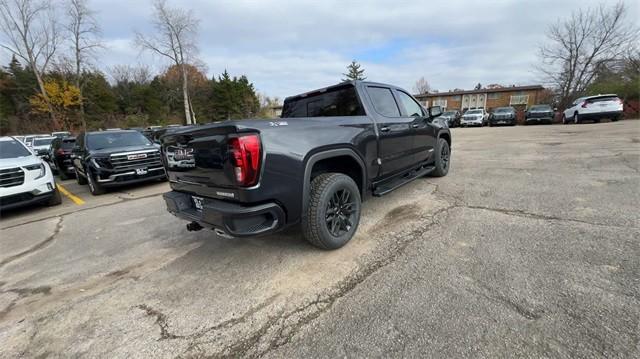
(529, 247)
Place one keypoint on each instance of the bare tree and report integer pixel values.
(31, 34)
(85, 38)
(579, 46)
(421, 86)
(140, 74)
(175, 39)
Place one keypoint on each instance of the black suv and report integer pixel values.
(112, 158)
(60, 156)
(539, 114)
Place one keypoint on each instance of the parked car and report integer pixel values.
(24, 177)
(28, 139)
(503, 116)
(61, 134)
(60, 156)
(452, 118)
(594, 108)
(474, 117)
(113, 158)
(539, 114)
(41, 146)
(331, 149)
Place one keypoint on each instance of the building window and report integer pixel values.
(493, 96)
(519, 100)
(456, 98)
(440, 102)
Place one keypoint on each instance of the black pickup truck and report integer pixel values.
(331, 149)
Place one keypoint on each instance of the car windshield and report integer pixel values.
(42, 141)
(503, 109)
(448, 113)
(98, 141)
(474, 112)
(541, 108)
(12, 149)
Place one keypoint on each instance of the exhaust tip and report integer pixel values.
(194, 226)
(222, 233)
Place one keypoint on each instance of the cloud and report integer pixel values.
(287, 47)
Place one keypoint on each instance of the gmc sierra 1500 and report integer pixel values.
(331, 149)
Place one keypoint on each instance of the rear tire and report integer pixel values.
(443, 159)
(56, 199)
(333, 211)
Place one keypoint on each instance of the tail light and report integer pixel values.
(245, 155)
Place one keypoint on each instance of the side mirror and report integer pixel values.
(555, 109)
(435, 111)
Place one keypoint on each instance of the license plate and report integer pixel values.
(197, 202)
(502, 122)
(141, 171)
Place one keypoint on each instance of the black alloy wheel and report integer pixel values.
(340, 212)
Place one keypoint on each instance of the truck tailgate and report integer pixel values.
(201, 156)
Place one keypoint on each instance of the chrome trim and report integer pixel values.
(133, 152)
(116, 175)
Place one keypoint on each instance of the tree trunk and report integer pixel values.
(78, 85)
(185, 95)
(43, 91)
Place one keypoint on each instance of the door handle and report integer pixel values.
(384, 129)
(415, 125)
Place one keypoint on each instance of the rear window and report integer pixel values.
(504, 109)
(68, 143)
(603, 99)
(342, 101)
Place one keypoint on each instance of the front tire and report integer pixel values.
(81, 180)
(442, 160)
(56, 199)
(95, 188)
(333, 211)
(576, 118)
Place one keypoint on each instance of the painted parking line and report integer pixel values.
(77, 200)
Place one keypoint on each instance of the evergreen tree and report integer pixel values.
(354, 72)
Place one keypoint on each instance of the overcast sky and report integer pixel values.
(288, 47)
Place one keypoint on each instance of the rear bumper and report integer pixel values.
(232, 218)
(599, 115)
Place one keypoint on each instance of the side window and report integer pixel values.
(383, 101)
(412, 107)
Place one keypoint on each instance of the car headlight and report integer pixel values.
(100, 162)
(37, 166)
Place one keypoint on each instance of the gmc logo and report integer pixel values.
(137, 156)
(183, 153)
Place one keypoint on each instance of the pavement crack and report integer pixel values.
(525, 214)
(514, 305)
(280, 329)
(161, 320)
(36, 247)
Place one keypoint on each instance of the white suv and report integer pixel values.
(24, 177)
(593, 108)
(474, 117)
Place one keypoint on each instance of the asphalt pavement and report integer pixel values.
(530, 247)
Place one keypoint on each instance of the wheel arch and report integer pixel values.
(334, 160)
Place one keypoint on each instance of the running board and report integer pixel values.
(383, 189)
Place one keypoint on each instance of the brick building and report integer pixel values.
(520, 97)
